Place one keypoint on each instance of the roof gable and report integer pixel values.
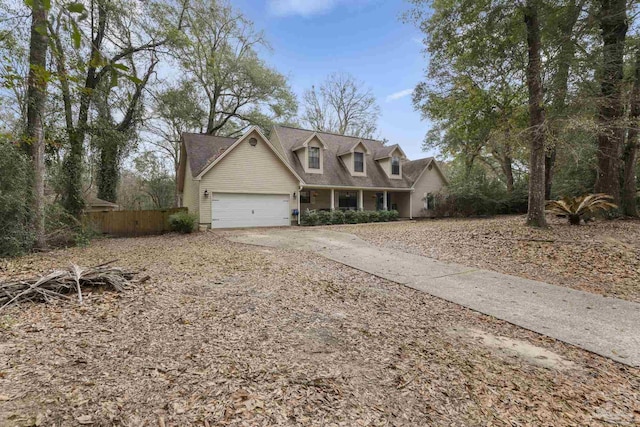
(353, 149)
(416, 168)
(388, 151)
(202, 149)
(253, 130)
(308, 140)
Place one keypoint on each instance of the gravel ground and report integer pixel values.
(228, 334)
(602, 257)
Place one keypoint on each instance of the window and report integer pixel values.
(348, 200)
(305, 197)
(314, 157)
(395, 165)
(358, 162)
(429, 201)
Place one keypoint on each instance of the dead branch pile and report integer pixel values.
(59, 283)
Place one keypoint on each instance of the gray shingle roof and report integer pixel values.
(385, 151)
(335, 171)
(202, 149)
(413, 168)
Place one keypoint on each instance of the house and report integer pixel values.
(258, 181)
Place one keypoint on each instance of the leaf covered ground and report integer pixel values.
(602, 257)
(228, 334)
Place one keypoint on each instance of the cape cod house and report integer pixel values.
(258, 181)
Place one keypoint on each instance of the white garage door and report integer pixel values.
(249, 210)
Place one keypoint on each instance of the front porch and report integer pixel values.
(355, 199)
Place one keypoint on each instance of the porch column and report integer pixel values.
(384, 201)
(333, 200)
(411, 205)
(360, 200)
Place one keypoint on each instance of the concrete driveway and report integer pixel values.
(607, 326)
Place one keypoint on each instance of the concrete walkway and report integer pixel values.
(606, 326)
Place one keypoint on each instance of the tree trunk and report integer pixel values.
(535, 215)
(36, 97)
(73, 199)
(560, 83)
(613, 24)
(108, 171)
(629, 205)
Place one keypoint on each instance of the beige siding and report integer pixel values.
(348, 162)
(190, 193)
(402, 201)
(369, 200)
(430, 182)
(385, 164)
(247, 169)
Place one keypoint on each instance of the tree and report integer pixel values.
(564, 31)
(474, 91)
(155, 180)
(103, 49)
(630, 156)
(175, 110)
(341, 105)
(536, 213)
(613, 24)
(111, 138)
(218, 52)
(36, 97)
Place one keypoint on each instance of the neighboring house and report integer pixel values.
(258, 181)
(93, 204)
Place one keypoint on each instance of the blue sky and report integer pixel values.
(366, 38)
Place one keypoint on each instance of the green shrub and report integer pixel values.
(312, 217)
(337, 217)
(350, 217)
(182, 222)
(324, 217)
(309, 217)
(16, 236)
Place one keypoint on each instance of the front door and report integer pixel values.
(379, 201)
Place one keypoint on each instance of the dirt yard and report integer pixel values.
(602, 257)
(226, 334)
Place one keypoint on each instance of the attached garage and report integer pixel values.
(244, 182)
(229, 210)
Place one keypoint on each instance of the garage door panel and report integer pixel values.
(249, 210)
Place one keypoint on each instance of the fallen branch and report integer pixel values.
(59, 283)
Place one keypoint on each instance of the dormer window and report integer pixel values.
(314, 157)
(395, 165)
(358, 162)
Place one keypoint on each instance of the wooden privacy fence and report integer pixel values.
(131, 223)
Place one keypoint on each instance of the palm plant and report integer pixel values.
(575, 208)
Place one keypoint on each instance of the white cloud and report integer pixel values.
(301, 7)
(398, 95)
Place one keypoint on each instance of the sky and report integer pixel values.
(311, 39)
